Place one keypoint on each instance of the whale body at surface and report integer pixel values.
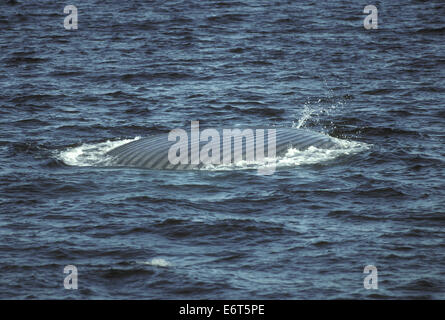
(152, 152)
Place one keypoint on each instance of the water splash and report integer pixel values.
(306, 114)
(314, 109)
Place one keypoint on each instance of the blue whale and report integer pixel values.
(152, 152)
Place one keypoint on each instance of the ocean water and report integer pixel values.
(136, 68)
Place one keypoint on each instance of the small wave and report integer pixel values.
(26, 98)
(237, 50)
(157, 75)
(434, 31)
(227, 4)
(22, 60)
(261, 111)
(90, 154)
(227, 18)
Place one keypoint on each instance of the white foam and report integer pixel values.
(313, 155)
(158, 262)
(90, 154)
(295, 157)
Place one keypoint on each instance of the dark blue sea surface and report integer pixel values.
(136, 68)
